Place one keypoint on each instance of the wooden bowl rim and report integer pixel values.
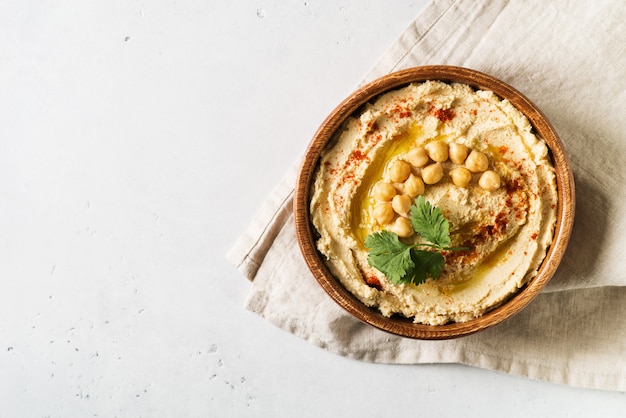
(403, 326)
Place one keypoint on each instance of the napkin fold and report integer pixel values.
(568, 58)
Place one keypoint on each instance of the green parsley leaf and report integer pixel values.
(428, 221)
(430, 262)
(404, 263)
(389, 255)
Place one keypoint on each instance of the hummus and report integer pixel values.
(470, 154)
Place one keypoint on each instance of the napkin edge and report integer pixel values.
(249, 249)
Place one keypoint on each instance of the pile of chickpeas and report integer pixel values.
(394, 197)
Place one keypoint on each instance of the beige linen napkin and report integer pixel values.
(567, 57)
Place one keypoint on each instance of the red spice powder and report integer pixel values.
(443, 115)
(513, 186)
(376, 139)
(356, 155)
(374, 282)
(399, 111)
(354, 158)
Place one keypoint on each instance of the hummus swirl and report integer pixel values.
(508, 228)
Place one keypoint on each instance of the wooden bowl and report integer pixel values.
(403, 326)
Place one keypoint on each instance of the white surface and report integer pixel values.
(138, 140)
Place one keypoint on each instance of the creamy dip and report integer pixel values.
(467, 152)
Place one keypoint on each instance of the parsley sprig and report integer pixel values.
(405, 263)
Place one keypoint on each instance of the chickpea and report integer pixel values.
(399, 171)
(383, 213)
(458, 153)
(417, 157)
(402, 227)
(489, 180)
(437, 151)
(431, 174)
(384, 191)
(401, 203)
(476, 162)
(461, 176)
(413, 186)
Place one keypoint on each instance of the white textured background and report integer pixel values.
(138, 138)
